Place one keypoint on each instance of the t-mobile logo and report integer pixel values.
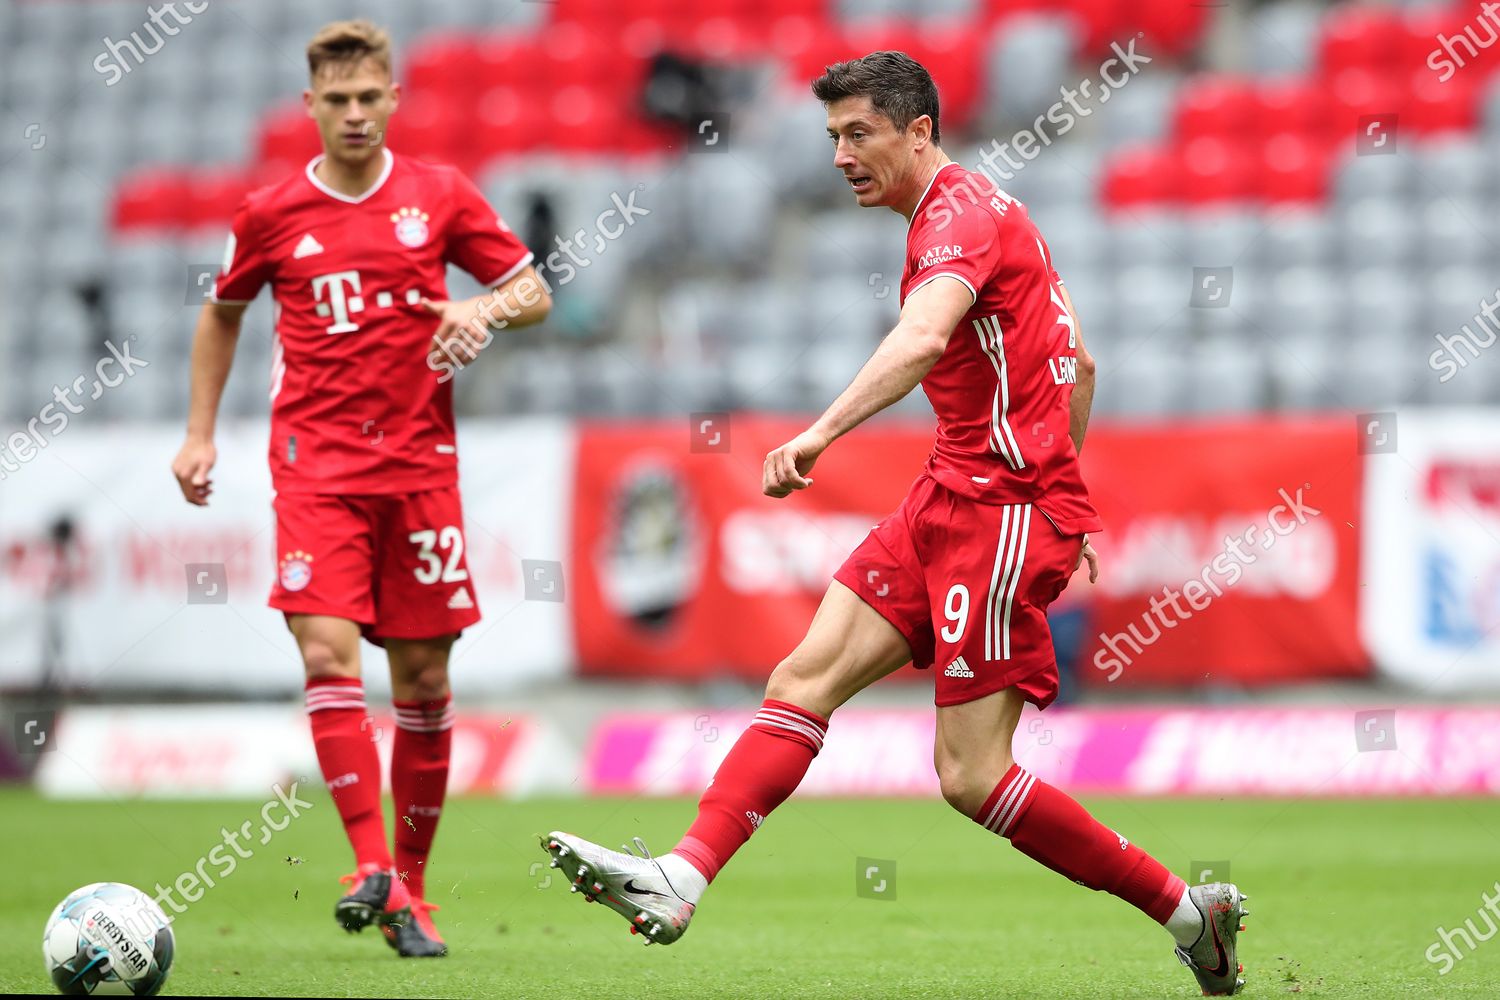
(340, 304)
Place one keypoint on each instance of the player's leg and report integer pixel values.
(423, 599)
(419, 777)
(323, 587)
(973, 746)
(999, 652)
(345, 743)
(848, 647)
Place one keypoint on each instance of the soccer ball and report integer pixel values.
(108, 938)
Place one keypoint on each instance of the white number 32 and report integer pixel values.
(433, 569)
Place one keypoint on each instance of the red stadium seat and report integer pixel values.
(1141, 175)
(952, 52)
(1293, 168)
(1217, 170)
(509, 119)
(1298, 106)
(438, 65)
(1433, 108)
(150, 200)
(287, 140)
(1360, 36)
(1355, 94)
(213, 196)
(434, 130)
(1213, 106)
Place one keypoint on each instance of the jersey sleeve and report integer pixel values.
(966, 248)
(246, 267)
(479, 241)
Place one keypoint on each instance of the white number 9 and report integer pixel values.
(959, 616)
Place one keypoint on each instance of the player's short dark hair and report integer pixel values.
(897, 85)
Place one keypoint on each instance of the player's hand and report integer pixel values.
(455, 340)
(787, 467)
(1086, 551)
(192, 466)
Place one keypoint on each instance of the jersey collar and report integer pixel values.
(922, 200)
(390, 161)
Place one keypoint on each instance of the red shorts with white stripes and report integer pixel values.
(968, 585)
(394, 564)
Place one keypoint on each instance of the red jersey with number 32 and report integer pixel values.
(1002, 388)
(355, 408)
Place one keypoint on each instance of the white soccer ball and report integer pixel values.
(110, 939)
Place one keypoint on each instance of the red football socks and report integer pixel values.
(419, 782)
(1049, 827)
(764, 766)
(351, 768)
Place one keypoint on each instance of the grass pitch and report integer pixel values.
(1346, 900)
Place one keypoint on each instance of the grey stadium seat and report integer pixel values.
(1283, 37)
(1028, 58)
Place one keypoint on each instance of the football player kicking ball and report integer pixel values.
(369, 526)
(960, 576)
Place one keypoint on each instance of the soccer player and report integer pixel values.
(959, 577)
(369, 524)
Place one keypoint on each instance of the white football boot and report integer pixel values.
(1214, 958)
(657, 897)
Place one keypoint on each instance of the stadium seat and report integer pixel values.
(1027, 58)
(1360, 36)
(1283, 38)
(1216, 170)
(1213, 106)
(1139, 175)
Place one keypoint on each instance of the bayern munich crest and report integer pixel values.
(411, 226)
(296, 570)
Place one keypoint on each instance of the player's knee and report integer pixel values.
(802, 681)
(967, 784)
(324, 659)
(428, 683)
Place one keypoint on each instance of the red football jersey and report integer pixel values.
(355, 408)
(1001, 389)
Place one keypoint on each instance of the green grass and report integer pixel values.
(1347, 898)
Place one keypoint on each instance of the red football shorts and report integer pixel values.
(968, 585)
(394, 564)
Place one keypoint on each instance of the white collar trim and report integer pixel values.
(390, 161)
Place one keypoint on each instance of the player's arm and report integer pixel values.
(1079, 407)
(1082, 403)
(901, 361)
(214, 341)
(466, 327)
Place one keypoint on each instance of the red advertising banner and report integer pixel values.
(1230, 553)
(682, 569)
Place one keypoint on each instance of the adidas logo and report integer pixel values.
(958, 668)
(460, 601)
(307, 247)
(756, 819)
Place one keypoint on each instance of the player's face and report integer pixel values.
(352, 105)
(878, 161)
